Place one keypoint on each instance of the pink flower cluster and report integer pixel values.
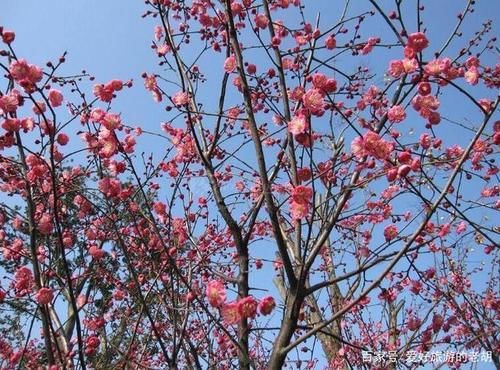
(106, 92)
(300, 201)
(243, 308)
(426, 106)
(44, 296)
(151, 85)
(26, 75)
(9, 102)
(371, 144)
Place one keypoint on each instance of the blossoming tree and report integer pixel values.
(348, 203)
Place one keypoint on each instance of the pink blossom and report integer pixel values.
(400, 67)
(396, 68)
(390, 232)
(415, 286)
(266, 305)
(11, 124)
(45, 225)
(103, 93)
(39, 107)
(304, 174)
(462, 226)
(371, 144)
(302, 194)
(93, 341)
(55, 98)
(163, 50)
(158, 31)
(110, 187)
(413, 323)
(388, 295)
(372, 41)
(151, 85)
(392, 174)
(23, 280)
(180, 98)
(111, 121)
(230, 64)
(44, 296)
(404, 170)
(247, 307)
(230, 313)
(9, 102)
(437, 322)
(116, 85)
(298, 210)
(330, 42)
(326, 85)
(8, 36)
(396, 114)
(261, 21)
(424, 88)
(298, 125)
(62, 139)
(216, 293)
(96, 252)
(472, 76)
(313, 100)
(26, 75)
(417, 41)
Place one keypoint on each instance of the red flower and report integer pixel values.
(302, 194)
(247, 307)
(266, 305)
(417, 41)
(230, 313)
(390, 232)
(216, 293)
(44, 296)
(230, 64)
(55, 98)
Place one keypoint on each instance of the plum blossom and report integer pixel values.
(261, 21)
(230, 313)
(44, 296)
(62, 139)
(23, 280)
(472, 76)
(9, 102)
(45, 225)
(266, 305)
(8, 36)
(247, 307)
(300, 201)
(368, 47)
(417, 42)
(313, 100)
(180, 98)
(26, 75)
(298, 125)
(55, 98)
(151, 85)
(230, 64)
(396, 114)
(371, 144)
(330, 42)
(390, 232)
(110, 187)
(216, 293)
(106, 92)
